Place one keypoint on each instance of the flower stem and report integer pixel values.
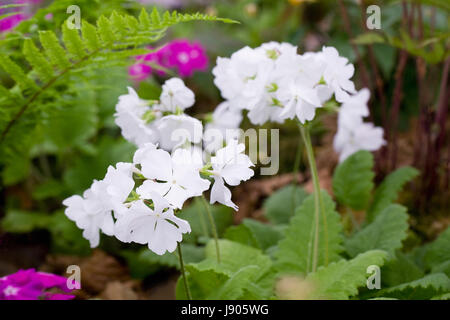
(317, 195)
(295, 175)
(183, 273)
(213, 227)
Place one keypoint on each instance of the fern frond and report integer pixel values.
(109, 43)
(16, 73)
(73, 42)
(37, 60)
(53, 49)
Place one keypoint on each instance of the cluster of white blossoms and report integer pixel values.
(138, 201)
(353, 133)
(274, 83)
(164, 122)
(179, 158)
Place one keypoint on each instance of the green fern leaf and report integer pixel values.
(37, 60)
(295, 251)
(16, 73)
(388, 190)
(105, 31)
(156, 19)
(90, 37)
(53, 49)
(144, 20)
(73, 42)
(386, 232)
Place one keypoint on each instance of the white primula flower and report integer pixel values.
(354, 109)
(223, 127)
(130, 111)
(158, 226)
(363, 136)
(175, 177)
(92, 212)
(241, 78)
(129, 117)
(337, 73)
(176, 130)
(299, 100)
(275, 50)
(118, 184)
(232, 166)
(175, 95)
(89, 214)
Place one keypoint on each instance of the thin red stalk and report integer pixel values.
(442, 111)
(423, 125)
(362, 67)
(398, 91)
(373, 64)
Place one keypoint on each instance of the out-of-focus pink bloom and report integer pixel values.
(10, 22)
(23, 13)
(180, 54)
(140, 71)
(187, 57)
(49, 16)
(32, 285)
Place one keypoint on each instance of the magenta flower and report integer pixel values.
(180, 55)
(187, 57)
(10, 22)
(32, 285)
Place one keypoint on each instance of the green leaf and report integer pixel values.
(66, 236)
(399, 270)
(73, 42)
(213, 285)
(444, 267)
(90, 37)
(86, 168)
(37, 60)
(233, 257)
(438, 251)
(296, 249)
(386, 232)
(421, 289)
(240, 273)
(341, 280)
(353, 180)
(388, 190)
(53, 49)
(369, 38)
(280, 206)
(16, 73)
(254, 233)
(73, 122)
(197, 216)
(17, 221)
(145, 262)
(442, 4)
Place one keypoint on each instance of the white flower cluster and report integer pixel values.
(353, 133)
(164, 122)
(274, 83)
(137, 202)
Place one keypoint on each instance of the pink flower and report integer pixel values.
(10, 22)
(178, 54)
(139, 71)
(32, 285)
(23, 13)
